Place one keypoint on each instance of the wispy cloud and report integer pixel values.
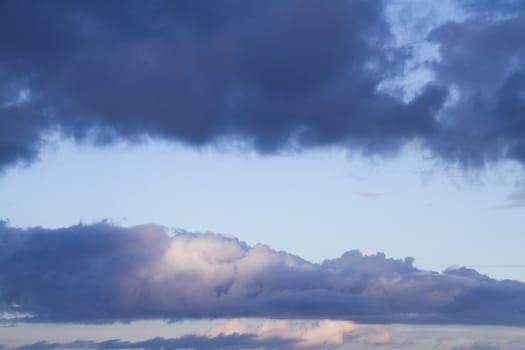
(513, 200)
(102, 273)
(371, 195)
(477, 346)
(517, 196)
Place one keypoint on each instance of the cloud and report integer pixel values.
(518, 196)
(369, 194)
(515, 199)
(482, 62)
(477, 346)
(104, 273)
(238, 334)
(274, 75)
(307, 334)
(234, 341)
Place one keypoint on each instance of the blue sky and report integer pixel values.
(262, 175)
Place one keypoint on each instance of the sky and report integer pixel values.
(262, 175)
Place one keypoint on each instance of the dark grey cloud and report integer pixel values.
(275, 75)
(103, 273)
(483, 62)
(20, 135)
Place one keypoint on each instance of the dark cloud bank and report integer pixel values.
(276, 75)
(104, 273)
(233, 341)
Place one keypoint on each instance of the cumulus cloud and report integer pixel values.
(307, 334)
(274, 75)
(103, 273)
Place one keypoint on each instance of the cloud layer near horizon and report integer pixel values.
(103, 273)
(238, 334)
(275, 75)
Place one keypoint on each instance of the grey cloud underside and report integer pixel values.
(276, 75)
(235, 341)
(477, 347)
(103, 273)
